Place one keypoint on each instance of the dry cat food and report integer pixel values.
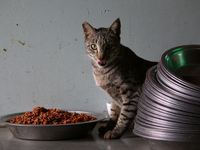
(43, 116)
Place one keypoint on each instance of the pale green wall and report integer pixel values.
(42, 54)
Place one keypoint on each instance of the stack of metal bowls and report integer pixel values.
(169, 107)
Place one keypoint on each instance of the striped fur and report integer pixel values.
(119, 72)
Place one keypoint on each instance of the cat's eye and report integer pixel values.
(109, 46)
(94, 46)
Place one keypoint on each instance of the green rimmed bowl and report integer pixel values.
(179, 70)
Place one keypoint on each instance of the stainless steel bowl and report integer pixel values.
(184, 63)
(52, 132)
(179, 69)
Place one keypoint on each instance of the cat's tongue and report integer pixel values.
(102, 63)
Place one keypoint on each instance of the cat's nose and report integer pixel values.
(101, 57)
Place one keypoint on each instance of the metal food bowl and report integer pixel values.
(52, 132)
(180, 57)
(179, 70)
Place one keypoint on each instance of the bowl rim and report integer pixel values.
(178, 48)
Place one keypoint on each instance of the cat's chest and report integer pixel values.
(101, 80)
(104, 81)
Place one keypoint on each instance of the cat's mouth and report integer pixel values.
(102, 62)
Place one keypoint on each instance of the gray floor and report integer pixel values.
(91, 142)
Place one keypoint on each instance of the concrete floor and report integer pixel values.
(92, 142)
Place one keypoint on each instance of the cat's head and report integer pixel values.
(102, 44)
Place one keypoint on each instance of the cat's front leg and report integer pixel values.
(126, 117)
(114, 114)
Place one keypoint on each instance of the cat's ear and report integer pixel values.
(116, 27)
(88, 30)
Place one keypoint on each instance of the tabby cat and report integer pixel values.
(119, 72)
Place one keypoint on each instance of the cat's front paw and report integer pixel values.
(112, 135)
